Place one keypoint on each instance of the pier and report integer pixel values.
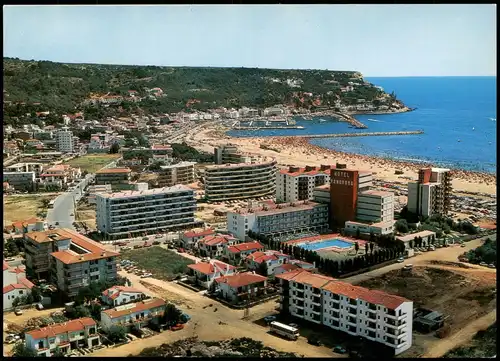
(346, 135)
(349, 119)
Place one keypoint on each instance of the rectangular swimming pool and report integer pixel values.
(326, 244)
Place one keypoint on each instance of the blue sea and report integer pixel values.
(457, 115)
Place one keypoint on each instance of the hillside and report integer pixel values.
(64, 87)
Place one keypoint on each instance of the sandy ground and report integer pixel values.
(298, 152)
(20, 207)
(205, 323)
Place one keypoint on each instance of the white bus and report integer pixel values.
(284, 330)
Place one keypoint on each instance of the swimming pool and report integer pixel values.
(326, 244)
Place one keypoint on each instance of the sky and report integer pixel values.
(377, 40)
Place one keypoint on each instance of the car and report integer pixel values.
(57, 223)
(155, 243)
(146, 275)
(483, 264)
(314, 340)
(400, 260)
(491, 265)
(269, 319)
(408, 266)
(145, 238)
(72, 214)
(339, 349)
(462, 245)
(18, 312)
(159, 236)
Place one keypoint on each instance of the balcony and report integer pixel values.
(351, 321)
(316, 301)
(352, 311)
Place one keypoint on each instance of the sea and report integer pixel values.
(457, 115)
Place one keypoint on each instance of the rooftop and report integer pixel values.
(60, 328)
(178, 165)
(241, 279)
(260, 161)
(345, 289)
(293, 172)
(115, 291)
(410, 237)
(211, 268)
(113, 170)
(205, 232)
(134, 307)
(377, 193)
(259, 257)
(212, 240)
(272, 208)
(247, 246)
(149, 192)
(93, 249)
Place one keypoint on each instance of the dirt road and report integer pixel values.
(441, 254)
(205, 323)
(10, 317)
(462, 336)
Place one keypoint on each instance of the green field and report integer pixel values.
(92, 162)
(162, 263)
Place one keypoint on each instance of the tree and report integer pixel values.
(263, 269)
(20, 350)
(172, 314)
(116, 333)
(356, 247)
(402, 226)
(115, 148)
(358, 233)
(58, 352)
(16, 302)
(372, 236)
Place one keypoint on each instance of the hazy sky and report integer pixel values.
(378, 40)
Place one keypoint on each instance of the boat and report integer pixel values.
(459, 140)
(473, 128)
(322, 120)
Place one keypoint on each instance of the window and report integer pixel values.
(51, 341)
(82, 333)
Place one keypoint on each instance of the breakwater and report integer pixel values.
(341, 135)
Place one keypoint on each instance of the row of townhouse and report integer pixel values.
(371, 314)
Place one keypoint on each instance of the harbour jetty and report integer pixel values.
(344, 135)
(349, 119)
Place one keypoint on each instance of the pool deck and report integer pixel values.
(325, 237)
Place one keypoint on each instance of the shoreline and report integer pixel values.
(299, 152)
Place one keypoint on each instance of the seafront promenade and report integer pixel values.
(343, 135)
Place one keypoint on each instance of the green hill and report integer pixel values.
(62, 87)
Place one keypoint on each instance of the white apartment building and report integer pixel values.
(298, 184)
(64, 140)
(275, 219)
(96, 189)
(358, 311)
(65, 336)
(227, 154)
(352, 227)
(431, 194)
(26, 167)
(241, 181)
(375, 206)
(139, 212)
(70, 260)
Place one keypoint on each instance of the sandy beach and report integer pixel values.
(298, 152)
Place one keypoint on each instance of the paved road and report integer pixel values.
(64, 206)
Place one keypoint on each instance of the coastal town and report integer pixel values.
(156, 229)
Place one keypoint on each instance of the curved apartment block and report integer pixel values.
(241, 181)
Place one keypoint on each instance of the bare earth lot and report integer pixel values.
(22, 207)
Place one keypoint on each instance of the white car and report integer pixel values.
(400, 260)
(146, 275)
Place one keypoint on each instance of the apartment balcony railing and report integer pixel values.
(149, 215)
(352, 311)
(75, 285)
(157, 221)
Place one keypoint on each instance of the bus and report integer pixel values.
(281, 329)
(51, 203)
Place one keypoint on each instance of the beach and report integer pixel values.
(299, 152)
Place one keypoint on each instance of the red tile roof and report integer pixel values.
(248, 246)
(217, 239)
(241, 279)
(210, 268)
(113, 170)
(345, 289)
(23, 284)
(288, 267)
(60, 328)
(138, 307)
(193, 234)
(259, 257)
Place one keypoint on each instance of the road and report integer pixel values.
(205, 324)
(442, 254)
(64, 206)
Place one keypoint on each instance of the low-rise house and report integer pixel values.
(120, 295)
(15, 284)
(425, 235)
(237, 253)
(272, 259)
(134, 314)
(241, 286)
(204, 273)
(302, 264)
(191, 238)
(284, 268)
(29, 225)
(214, 246)
(65, 336)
